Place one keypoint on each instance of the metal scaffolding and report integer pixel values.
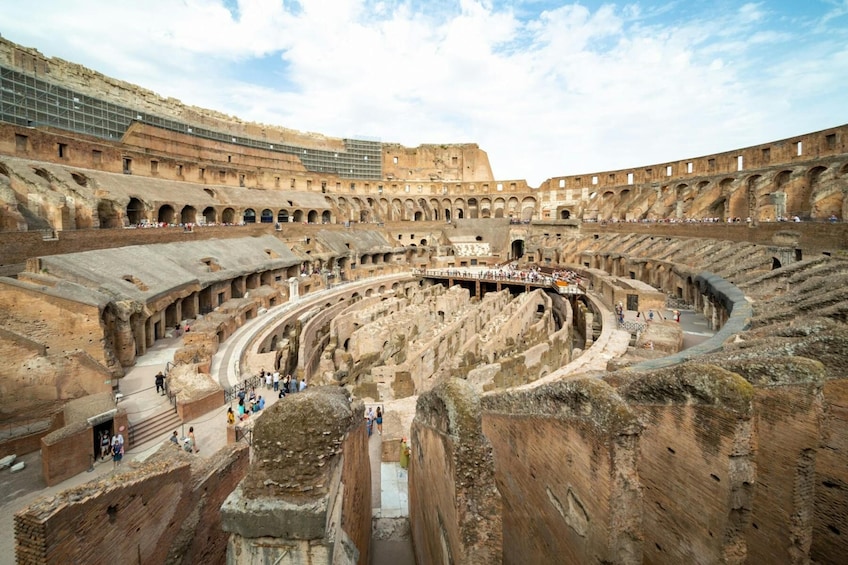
(26, 100)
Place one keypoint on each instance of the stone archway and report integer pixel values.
(167, 214)
(188, 215)
(135, 211)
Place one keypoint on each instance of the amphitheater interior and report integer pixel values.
(483, 314)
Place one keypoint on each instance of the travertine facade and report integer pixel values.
(730, 451)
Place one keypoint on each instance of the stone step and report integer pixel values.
(154, 426)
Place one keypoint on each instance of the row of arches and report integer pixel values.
(138, 212)
(434, 209)
(811, 193)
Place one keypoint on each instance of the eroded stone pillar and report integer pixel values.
(307, 494)
(454, 504)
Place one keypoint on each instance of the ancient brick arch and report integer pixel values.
(136, 211)
(459, 208)
(188, 215)
(827, 193)
(167, 214)
(107, 215)
(528, 208)
(396, 213)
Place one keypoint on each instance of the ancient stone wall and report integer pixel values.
(455, 508)
(162, 511)
(47, 331)
(17, 247)
(696, 463)
(566, 468)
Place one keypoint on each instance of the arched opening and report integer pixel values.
(298, 216)
(188, 215)
(135, 211)
(283, 216)
(447, 215)
(209, 215)
(775, 263)
(325, 217)
(167, 214)
(249, 216)
(228, 216)
(267, 217)
(107, 215)
(312, 217)
(418, 216)
(564, 214)
(517, 249)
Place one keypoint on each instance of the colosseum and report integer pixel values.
(627, 366)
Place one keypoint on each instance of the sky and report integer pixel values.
(546, 88)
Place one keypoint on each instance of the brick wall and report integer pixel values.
(696, 463)
(72, 454)
(567, 473)
(198, 407)
(164, 510)
(830, 519)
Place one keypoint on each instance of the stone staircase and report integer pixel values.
(154, 426)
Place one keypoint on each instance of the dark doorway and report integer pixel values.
(633, 302)
(99, 429)
(517, 249)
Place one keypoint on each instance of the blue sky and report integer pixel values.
(545, 88)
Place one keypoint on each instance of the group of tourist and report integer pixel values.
(707, 220)
(566, 275)
(282, 386)
(113, 446)
(374, 418)
(188, 443)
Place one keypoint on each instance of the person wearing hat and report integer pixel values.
(404, 454)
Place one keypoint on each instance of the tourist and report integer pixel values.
(369, 420)
(267, 377)
(160, 383)
(117, 453)
(231, 417)
(276, 380)
(302, 386)
(104, 444)
(379, 420)
(192, 439)
(261, 403)
(175, 439)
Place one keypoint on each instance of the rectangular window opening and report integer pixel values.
(830, 140)
(21, 143)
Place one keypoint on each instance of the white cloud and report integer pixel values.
(564, 90)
